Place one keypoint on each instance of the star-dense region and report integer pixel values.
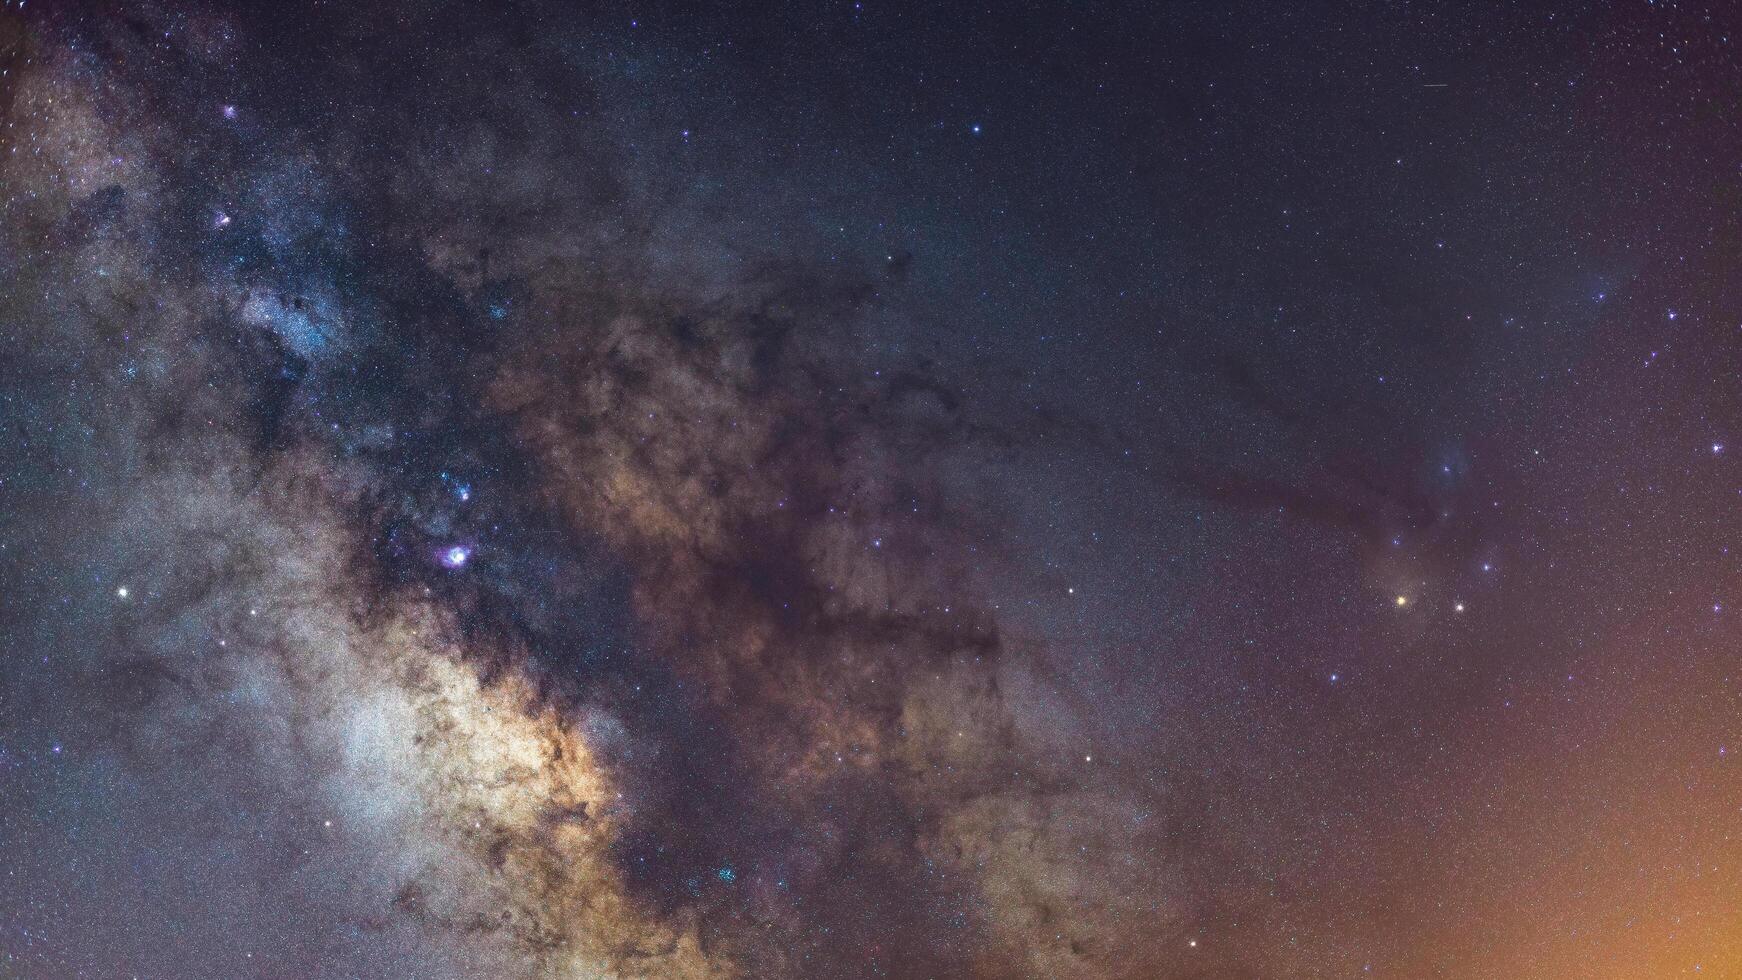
(870, 489)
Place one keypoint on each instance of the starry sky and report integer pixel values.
(1175, 490)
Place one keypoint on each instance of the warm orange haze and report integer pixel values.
(820, 491)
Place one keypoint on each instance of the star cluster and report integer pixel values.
(1107, 491)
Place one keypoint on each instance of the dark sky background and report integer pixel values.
(1167, 490)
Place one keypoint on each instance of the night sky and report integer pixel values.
(1192, 491)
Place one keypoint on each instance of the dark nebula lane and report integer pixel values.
(605, 490)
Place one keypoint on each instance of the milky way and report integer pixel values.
(533, 491)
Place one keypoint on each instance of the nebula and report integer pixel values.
(501, 595)
(607, 491)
